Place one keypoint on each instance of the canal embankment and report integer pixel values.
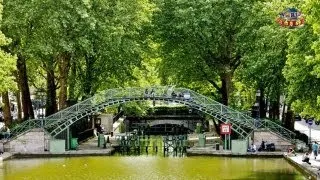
(91, 148)
(210, 150)
(312, 170)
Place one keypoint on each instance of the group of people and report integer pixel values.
(146, 93)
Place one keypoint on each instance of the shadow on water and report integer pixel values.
(167, 146)
(272, 175)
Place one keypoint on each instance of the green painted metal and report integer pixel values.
(242, 124)
(68, 137)
(239, 146)
(74, 143)
(101, 140)
(202, 140)
(57, 146)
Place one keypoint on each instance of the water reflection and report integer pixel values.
(168, 146)
(149, 160)
(149, 167)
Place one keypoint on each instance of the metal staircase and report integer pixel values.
(242, 124)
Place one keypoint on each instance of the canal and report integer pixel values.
(148, 167)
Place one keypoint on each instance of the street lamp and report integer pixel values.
(310, 122)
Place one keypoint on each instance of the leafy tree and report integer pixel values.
(203, 41)
(243, 96)
(7, 68)
(17, 24)
(301, 74)
(101, 41)
(262, 67)
(302, 66)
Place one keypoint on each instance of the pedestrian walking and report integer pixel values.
(315, 148)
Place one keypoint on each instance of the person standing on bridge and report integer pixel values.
(146, 93)
(315, 148)
(152, 92)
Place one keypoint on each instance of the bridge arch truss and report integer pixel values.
(242, 124)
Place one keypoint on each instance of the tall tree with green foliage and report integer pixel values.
(303, 64)
(7, 69)
(18, 25)
(262, 66)
(203, 41)
(100, 41)
(301, 72)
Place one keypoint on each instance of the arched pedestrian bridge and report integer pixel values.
(242, 124)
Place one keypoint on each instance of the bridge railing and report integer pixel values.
(220, 108)
(276, 128)
(26, 125)
(119, 95)
(239, 117)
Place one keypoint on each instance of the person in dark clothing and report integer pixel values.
(152, 93)
(146, 93)
(173, 94)
(262, 146)
(306, 158)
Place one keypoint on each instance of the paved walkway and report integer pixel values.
(313, 168)
(5, 156)
(303, 127)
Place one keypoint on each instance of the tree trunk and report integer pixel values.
(277, 108)
(72, 81)
(87, 89)
(216, 124)
(262, 104)
(19, 105)
(51, 102)
(225, 87)
(225, 92)
(64, 66)
(275, 112)
(289, 119)
(6, 109)
(23, 78)
(283, 112)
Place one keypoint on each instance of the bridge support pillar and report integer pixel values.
(68, 138)
(239, 147)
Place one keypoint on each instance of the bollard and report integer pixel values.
(217, 146)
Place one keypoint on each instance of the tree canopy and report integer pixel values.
(224, 49)
(7, 63)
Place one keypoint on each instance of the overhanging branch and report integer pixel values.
(214, 84)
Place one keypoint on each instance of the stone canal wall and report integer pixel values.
(34, 141)
(281, 144)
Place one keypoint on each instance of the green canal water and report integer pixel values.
(148, 167)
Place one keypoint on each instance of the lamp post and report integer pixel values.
(310, 122)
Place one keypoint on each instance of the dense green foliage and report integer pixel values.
(224, 49)
(7, 63)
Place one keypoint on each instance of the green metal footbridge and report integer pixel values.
(242, 124)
